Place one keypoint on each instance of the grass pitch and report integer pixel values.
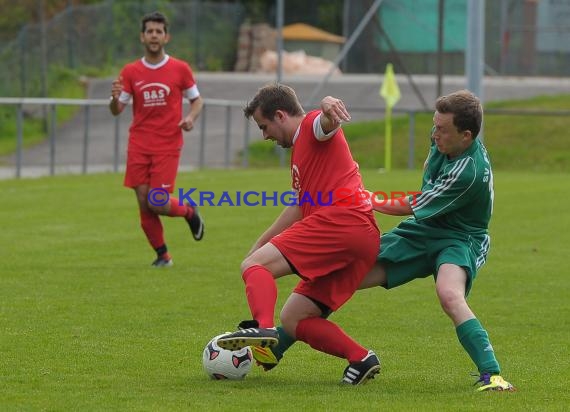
(87, 324)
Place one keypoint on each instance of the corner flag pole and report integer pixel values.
(388, 142)
(391, 93)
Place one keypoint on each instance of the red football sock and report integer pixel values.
(176, 209)
(325, 336)
(152, 228)
(261, 293)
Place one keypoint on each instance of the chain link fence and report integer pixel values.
(106, 35)
(522, 37)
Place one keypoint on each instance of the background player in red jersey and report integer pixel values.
(330, 247)
(157, 84)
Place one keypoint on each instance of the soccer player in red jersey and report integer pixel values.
(157, 85)
(446, 235)
(328, 238)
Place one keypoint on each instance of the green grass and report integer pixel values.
(86, 324)
(515, 142)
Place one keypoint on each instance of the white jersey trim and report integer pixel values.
(192, 93)
(157, 65)
(426, 198)
(484, 250)
(320, 135)
(125, 97)
(296, 134)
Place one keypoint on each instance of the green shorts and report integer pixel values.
(414, 250)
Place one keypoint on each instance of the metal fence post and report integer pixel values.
(202, 149)
(19, 139)
(228, 129)
(116, 146)
(245, 158)
(85, 141)
(52, 140)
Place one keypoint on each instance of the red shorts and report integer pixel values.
(332, 250)
(155, 170)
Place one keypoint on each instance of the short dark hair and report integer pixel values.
(273, 97)
(466, 109)
(156, 17)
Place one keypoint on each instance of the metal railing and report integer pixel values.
(86, 105)
(227, 139)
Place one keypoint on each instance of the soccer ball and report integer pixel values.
(226, 364)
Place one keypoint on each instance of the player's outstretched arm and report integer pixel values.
(334, 112)
(395, 206)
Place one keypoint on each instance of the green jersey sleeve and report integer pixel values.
(447, 191)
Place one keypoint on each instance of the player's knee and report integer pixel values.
(255, 259)
(450, 299)
(246, 264)
(159, 210)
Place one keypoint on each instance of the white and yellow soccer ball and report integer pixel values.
(226, 364)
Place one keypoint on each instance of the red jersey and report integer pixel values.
(324, 172)
(157, 92)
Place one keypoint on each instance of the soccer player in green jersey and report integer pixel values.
(446, 234)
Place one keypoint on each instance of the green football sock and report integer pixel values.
(285, 342)
(476, 342)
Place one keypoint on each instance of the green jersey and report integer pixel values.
(457, 194)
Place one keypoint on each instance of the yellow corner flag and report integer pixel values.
(390, 90)
(391, 93)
